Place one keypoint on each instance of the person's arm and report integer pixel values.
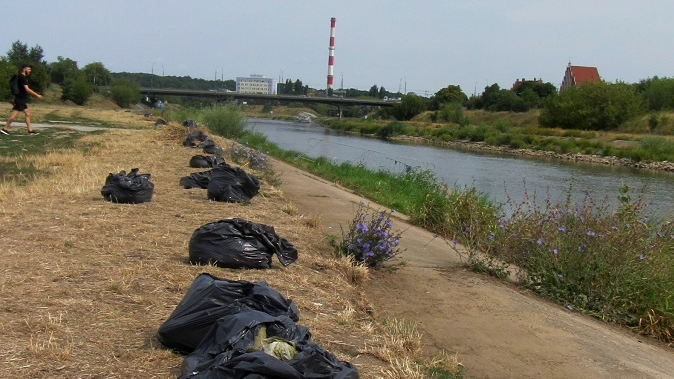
(30, 91)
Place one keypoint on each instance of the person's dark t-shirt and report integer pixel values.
(23, 82)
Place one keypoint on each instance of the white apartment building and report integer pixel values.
(256, 84)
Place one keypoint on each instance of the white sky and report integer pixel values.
(420, 46)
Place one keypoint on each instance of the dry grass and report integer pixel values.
(86, 283)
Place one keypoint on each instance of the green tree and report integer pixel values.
(125, 93)
(374, 91)
(77, 89)
(382, 92)
(410, 106)
(447, 95)
(61, 69)
(7, 69)
(96, 74)
(298, 88)
(594, 106)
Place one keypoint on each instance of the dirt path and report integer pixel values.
(497, 330)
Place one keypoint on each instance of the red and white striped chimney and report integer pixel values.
(331, 50)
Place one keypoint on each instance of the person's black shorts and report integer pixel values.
(20, 105)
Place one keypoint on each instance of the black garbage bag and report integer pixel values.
(209, 147)
(195, 138)
(210, 298)
(190, 123)
(160, 121)
(232, 184)
(237, 243)
(196, 180)
(206, 161)
(231, 350)
(128, 188)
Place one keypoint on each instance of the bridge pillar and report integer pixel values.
(339, 111)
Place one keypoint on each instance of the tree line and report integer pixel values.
(591, 106)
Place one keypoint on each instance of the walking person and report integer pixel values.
(20, 104)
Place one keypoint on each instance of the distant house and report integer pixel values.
(577, 75)
(518, 83)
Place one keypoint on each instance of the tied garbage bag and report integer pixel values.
(129, 188)
(196, 180)
(209, 147)
(206, 161)
(190, 123)
(210, 298)
(237, 243)
(232, 184)
(195, 138)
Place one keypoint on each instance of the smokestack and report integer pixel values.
(331, 55)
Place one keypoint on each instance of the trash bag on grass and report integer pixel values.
(190, 123)
(130, 188)
(195, 138)
(209, 147)
(196, 180)
(210, 298)
(231, 350)
(232, 184)
(227, 328)
(205, 161)
(237, 243)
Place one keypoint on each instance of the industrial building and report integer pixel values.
(256, 84)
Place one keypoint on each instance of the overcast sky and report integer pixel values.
(421, 46)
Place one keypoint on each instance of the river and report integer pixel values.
(501, 177)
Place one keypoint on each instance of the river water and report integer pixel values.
(501, 177)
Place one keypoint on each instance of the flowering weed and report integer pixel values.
(369, 238)
(253, 158)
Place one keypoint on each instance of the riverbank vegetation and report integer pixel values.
(603, 257)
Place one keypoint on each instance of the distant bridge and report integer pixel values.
(338, 102)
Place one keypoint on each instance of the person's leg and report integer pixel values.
(27, 113)
(12, 116)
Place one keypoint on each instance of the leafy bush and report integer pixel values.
(224, 120)
(77, 89)
(125, 93)
(369, 238)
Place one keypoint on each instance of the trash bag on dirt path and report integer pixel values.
(230, 351)
(232, 184)
(237, 243)
(195, 138)
(130, 188)
(196, 180)
(206, 161)
(210, 298)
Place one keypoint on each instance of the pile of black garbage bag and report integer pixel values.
(224, 183)
(237, 243)
(201, 140)
(245, 330)
(130, 188)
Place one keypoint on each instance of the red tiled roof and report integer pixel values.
(583, 74)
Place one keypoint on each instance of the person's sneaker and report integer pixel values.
(5, 132)
(33, 133)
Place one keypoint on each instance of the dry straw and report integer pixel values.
(86, 283)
